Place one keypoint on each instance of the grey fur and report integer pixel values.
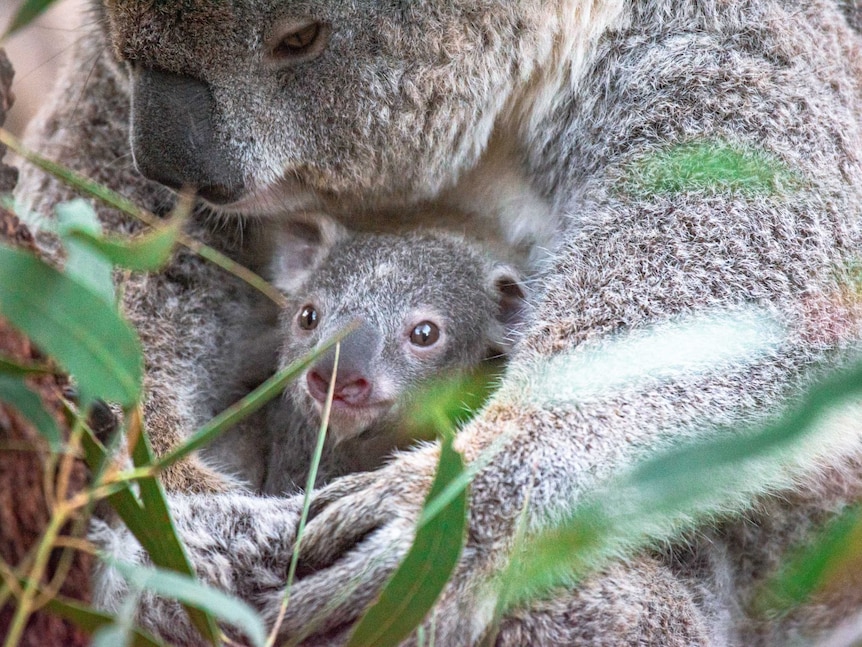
(525, 118)
(389, 284)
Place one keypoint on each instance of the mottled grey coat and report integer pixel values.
(529, 119)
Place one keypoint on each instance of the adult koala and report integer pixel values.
(524, 117)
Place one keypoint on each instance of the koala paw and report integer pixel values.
(360, 529)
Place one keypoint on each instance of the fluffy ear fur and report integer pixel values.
(508, 287)
(301, 245)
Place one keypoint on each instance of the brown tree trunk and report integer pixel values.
(24, 510)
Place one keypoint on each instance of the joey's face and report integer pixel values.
(277, 105)
(410, 331)
(381, 365)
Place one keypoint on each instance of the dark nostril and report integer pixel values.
(317, 386)
(155, 172)
(349, 389)
(219, 194)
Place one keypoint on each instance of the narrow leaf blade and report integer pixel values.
(91, 620)
(810, 568)
(149, 521)
(15, 392)
(72, 324)
(158, 535)
(191, 592)
(9, 366)
(85, 264)
(673, 490)
(419, 580)
(145, 253)
(26, 14)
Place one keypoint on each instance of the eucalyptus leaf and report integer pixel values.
(191, 592)
(417, 583)
(75, 220)
(9, 366)
(154, 528)
(113, 635)
(145, 253)
(15, 392)
(807, 569)
(675, 489)
(92, 621)
(72, 324)
(710, 166)
(26, 14)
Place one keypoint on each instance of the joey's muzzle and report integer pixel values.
(173, 136)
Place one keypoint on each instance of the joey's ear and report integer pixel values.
(301, 245)
(508, 287)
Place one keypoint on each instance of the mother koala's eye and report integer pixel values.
(299, 43)
(308, 318)
(425, 334)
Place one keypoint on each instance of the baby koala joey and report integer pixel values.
(426, 307)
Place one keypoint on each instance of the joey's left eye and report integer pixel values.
(308, 318)
(425, 334)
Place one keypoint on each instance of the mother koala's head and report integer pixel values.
(269, 105)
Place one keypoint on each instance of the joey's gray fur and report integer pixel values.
(532, 121)
(387, 284)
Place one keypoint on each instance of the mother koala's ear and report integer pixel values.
(301, 245)
(509, 291)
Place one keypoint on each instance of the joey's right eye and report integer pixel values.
(425, 334)
(299, 43)
(308, 318)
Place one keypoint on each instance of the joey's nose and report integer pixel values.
(350, 387)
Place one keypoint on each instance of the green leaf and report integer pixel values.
(187, 590)
(449, 401)
(144, 253)
(84, 263)
(709, 166)
(115, 200)
(419, 580)
(154, 528)
(91, 620)
(73, 325)
(28, 11)
(149, 519)
(114, 635)
(9, 366)
(807, 569)
(15, 392)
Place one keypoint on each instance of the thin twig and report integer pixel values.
(306, 502)
(24, 608)
(115, 200)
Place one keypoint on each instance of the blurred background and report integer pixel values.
(36, 52)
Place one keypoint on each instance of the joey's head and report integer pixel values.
(280, 105)
(426, 304)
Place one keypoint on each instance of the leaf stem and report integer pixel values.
(306, 501)
(117, 201)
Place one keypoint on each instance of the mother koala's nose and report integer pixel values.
(173, 136)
